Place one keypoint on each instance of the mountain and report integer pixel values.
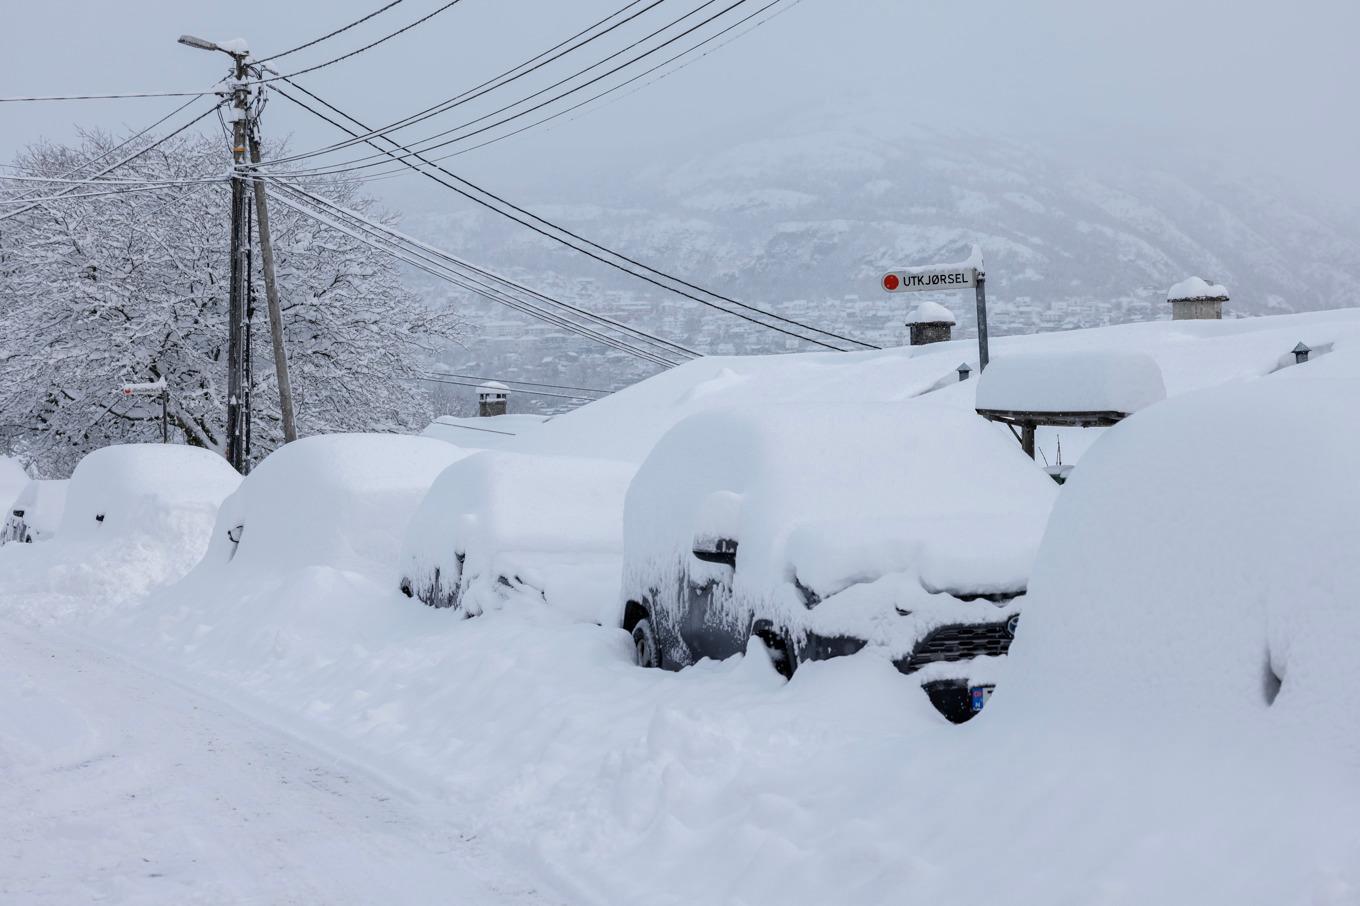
(805, 225)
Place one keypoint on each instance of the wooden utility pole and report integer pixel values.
(271, 292)
(237, 413)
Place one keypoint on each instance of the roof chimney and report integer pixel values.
(1197, 300)
(493, 398)
(930, 322)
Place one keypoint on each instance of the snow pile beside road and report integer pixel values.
(137, 516)
(500, 524)
(1071, 382)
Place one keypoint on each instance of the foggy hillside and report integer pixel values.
(806, 225)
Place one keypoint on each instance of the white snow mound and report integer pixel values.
(1071, 382)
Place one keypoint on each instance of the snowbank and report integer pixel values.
(503, 524)
(1194, 288)
(137, 516)
(1070, 382)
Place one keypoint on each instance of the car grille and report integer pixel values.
(958, 643)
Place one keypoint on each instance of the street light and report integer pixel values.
(200, 43)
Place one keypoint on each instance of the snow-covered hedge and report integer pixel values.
(499, 524)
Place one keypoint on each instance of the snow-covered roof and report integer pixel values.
(1191, 354)
(1070, 382)
(1196, 288)
(931, 313)
(485, 433)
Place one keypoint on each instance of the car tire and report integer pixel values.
(646, 650)
(780, 647)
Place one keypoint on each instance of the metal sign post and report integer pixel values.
(941, 277)
(157, 390)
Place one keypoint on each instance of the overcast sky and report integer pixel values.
(1264, 85)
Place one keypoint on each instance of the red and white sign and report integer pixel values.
(929, 279)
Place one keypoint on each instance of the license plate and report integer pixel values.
(978, 696)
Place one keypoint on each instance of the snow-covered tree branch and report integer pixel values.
(97, 292)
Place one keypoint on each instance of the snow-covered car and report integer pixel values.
(137, 516)
(36, 513)
(330, 500)
(500, 525)
(822, 530)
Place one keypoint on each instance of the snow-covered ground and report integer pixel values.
(1173, 724)
(118, 785)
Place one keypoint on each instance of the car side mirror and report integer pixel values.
(716, 550)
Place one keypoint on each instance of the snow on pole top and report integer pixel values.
(1196, 289)
(235, 46)
(1071, 383)
(931, 313)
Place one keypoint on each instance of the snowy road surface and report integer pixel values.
(118, 786)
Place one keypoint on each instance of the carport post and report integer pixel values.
(982, 323)
(1027, 438)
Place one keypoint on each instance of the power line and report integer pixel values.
(670, 346)
(560, 396)
(353, 53)
(579, 238)
(326, 37)
(510, 75)
(557, 84)
(425, 263)
(131, 157)
(104, 97)
(476, 377)
(65, 196)
(632, 79)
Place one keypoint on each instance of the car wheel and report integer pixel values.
(646, 651)
(780, 647)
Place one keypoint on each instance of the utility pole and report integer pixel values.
(271, 292)
(240, 264)
(245, 137)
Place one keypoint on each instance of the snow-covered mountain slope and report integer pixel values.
(806, 225)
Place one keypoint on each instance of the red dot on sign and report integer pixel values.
(891, 282)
